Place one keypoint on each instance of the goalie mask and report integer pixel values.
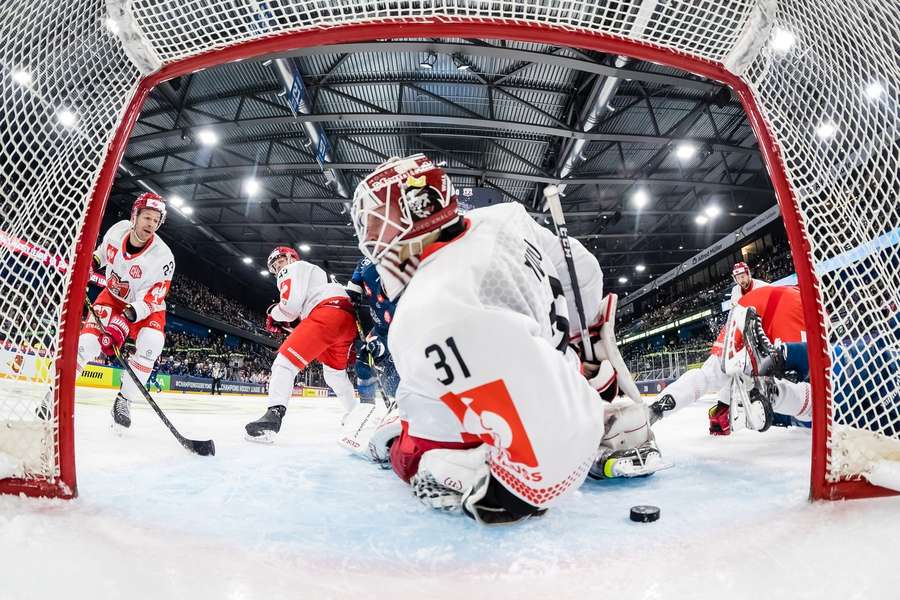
(404, 200)
(148, 200)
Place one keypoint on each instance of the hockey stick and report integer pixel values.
(201, 447)
(551, 193)
(371, 362)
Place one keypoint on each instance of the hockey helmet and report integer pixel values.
(152, 201)
(740, 268)
(403, 200)
(278, 252)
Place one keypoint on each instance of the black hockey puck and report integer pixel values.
(644, 513)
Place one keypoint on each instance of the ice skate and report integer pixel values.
(263, 430)
(121, 413)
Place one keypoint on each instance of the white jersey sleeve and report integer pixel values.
(474, 338)
(142, 279)
(301, 287)
(737, 293)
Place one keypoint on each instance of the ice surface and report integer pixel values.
(303, 519)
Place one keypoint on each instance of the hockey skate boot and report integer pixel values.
(121, 412)
(263, 429)
(642, 461)
(766, 358)
(660, 407)
(719, 419)
(44, 411)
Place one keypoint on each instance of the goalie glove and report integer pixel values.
(607, 360)
(446, 478)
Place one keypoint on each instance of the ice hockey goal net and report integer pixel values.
(819, 81)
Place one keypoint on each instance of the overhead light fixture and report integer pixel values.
(640, 198)
(264, 273)
(874, 90)
(826, 131)
(681, 247)
(623, 280)
(684, 151)
(267, 62)
(247, 260)
(304, 247)
(428, 62)
(782, 41)
(251, 186)
(640, 268)
(23, 78)
(712, 211)
(67, 118)
(740, 206)
(207, 137)
(701, 220)
(187, 210)
(176, 201)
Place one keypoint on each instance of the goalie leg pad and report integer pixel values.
(627, 425)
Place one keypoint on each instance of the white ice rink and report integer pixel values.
(301, 519)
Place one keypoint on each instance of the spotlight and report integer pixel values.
(826, 130)
(701, 220)
(782, 41)
(247, 260)
(187, 210)
(623, 280)
(23, 78)
(712, 211)
(176, 201)
(67, 118)
(684, 151)
(304, 247)
(207, 137)
(640, 268)
(264, 273)
(640, 199)
(251, 186)
(874, 90)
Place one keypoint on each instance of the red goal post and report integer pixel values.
(804, 71)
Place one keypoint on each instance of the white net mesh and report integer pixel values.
(824, 74)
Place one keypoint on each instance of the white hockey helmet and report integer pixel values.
(402, 201)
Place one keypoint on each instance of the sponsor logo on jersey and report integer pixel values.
(488, 413)
(110, 253)
(135, 272)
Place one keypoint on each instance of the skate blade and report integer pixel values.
(118, 430)
(649, 467)
(263, 438)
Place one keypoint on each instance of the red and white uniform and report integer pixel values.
(480, 344)
(326, 331)
(781, 312)
(737, 292)
(141, 280)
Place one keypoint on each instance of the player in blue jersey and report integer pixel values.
(374, 311)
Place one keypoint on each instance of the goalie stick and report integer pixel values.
(201, 447)
(551, 193)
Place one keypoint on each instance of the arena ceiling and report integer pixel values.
(508, 116)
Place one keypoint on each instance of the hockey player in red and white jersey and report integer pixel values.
(778, 316)
(138, 266)
(497, 418)
(743, 282)
(325, 333)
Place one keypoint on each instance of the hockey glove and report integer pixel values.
(376, 347)
(114, 337)
(272, 326)
(719, 422)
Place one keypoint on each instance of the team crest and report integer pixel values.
(488, 412)
(135, 272)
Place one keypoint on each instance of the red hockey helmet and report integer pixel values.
(402, 201)
(740, 268)
(149, 200)
(279, 252)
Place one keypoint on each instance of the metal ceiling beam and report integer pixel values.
(512, 54)
(225, 128)
(262, 171)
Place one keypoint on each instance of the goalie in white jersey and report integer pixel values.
(498, 419)
(138, 266)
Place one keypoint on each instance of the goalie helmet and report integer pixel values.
(149, 200)
(402, 201)
(279, 252)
